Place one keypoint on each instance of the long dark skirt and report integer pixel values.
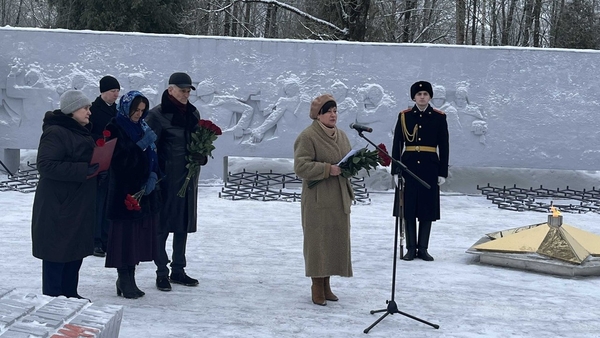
(131, 242)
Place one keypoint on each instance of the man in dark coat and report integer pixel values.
(421, 141)
(62, 224)
(173, 121)
(103, 109)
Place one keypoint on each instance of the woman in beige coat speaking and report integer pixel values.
(326, 203)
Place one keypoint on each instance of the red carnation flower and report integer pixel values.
(384, 158)
(102, 141)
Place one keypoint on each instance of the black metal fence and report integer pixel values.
(270, 186)
(541, 199)
(22, 181)
(243, 185)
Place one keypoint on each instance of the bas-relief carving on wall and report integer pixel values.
(259, 117)
(246, 115)
(23, 99)
(29, 91)
(281, 114)
(262, 102)
(377, 111)
(465, 119)
(252, 118)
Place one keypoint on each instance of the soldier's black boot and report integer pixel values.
(410, 232)
(424, 231)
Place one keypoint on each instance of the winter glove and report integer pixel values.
(149, 137)
(441, 180)
(92, 168)
(102, 177)
(151, 183)
(199, 158)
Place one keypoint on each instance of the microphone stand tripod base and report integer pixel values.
(390, 310)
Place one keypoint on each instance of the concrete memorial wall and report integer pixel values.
(506, 106)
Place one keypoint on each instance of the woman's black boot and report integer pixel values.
(124, 286)
(132, 277)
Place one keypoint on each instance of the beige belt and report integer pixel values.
(421, 148)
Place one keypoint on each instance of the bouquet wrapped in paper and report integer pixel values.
(356, 160)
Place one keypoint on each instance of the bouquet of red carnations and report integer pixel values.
(132, 202)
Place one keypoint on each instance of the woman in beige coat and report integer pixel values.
(325, 206)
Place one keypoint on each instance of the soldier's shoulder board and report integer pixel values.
(406, 111)
(438, 111)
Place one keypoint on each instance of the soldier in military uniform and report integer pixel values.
(421, 142)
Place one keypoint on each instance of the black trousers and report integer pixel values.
(60, 279)
(413, 241)
(179, 262)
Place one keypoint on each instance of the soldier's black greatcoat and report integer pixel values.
(432, 131)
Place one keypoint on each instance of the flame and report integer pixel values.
(555, 211)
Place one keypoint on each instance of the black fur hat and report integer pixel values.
(420, 86)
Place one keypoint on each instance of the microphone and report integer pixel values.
(360, 127)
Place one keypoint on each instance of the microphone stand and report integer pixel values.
(392, 307)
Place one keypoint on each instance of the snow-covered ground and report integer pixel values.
(248, 258)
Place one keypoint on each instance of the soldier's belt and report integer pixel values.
(421, 148)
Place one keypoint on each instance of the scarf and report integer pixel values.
(137, 130)
(331, 132)
(183, 114)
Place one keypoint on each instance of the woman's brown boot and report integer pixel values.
(318, 291)
(328, 294)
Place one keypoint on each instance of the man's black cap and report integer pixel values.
(181, 80)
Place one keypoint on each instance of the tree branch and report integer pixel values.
(343, 31)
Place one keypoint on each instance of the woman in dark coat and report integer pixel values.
(62, 227)
(134, 168)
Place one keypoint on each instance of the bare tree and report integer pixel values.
(461, 14)
(494, 23)
(528, 22)
(537, 10)
(473, 22)
(409, 7)
(557, 9)
(271, 21)
(507, 22)
(484, 23)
